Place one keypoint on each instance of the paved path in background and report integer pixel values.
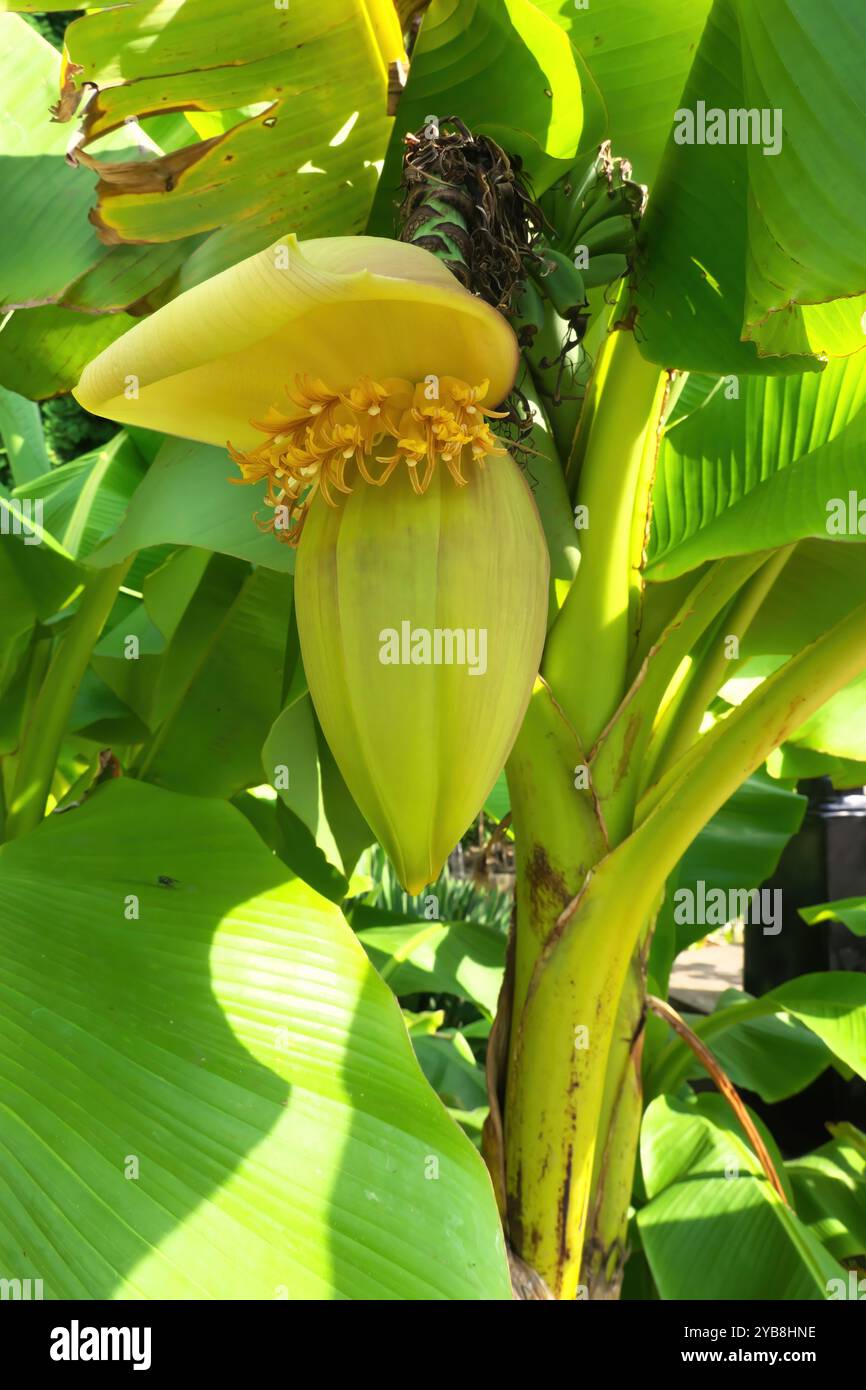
(700, 976)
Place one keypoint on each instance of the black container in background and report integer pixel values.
(823, 862)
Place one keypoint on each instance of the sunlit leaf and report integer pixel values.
(219, 1085)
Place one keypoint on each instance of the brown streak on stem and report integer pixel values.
(543, 882)
(562, 1215)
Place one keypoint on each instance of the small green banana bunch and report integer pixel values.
(593, 215)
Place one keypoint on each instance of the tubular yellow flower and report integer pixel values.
(355, 379)
(309, 452)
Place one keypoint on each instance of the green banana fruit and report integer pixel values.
(624, 200)
(586, 188)
(560, 281)
(603, 270)
(613, 234)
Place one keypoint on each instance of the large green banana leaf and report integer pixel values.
(184, 601)
(67, 286)
(39, 266)
(303, 159)
(640, 97)
(44, 350)
(830, 1191)
(36, 6)
(205, 1089)
(292, 764)
(763, 462)
(35, 581)
(186, 499)
(821, 582)
(84, 500)
(462, 958)
(297, 105)
(832, 1005)
(22, 437)
(757, 465)
(230, 697)
(206, 671)
(851, 911)
(713, 1223)
(774, 1056)
(754, 262)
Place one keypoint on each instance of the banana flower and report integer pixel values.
(357, 380)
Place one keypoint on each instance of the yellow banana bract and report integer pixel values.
(221, 354)
(421, 621)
